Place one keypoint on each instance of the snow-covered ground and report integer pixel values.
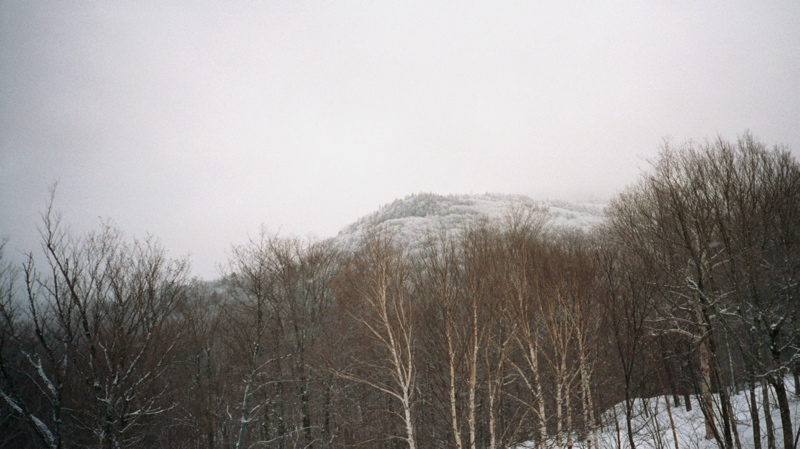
(653, 429)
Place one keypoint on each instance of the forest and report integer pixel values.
(504, 332)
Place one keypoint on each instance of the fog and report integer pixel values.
(198, 122)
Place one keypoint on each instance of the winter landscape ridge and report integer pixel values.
(468, 321)
(658, 425)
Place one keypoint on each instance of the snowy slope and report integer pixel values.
(653, 427)
(415, 217)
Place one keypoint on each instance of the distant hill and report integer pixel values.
(414, 217)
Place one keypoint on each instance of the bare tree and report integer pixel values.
(627, 299)
(100, 314)
(480, 276)
(582, 291)
(526, 266)
(379, 278)
(754, 194)
(21, 365)
(203, 365)
(440, 283)
(663, 219)
(720, 221)
(280, 291)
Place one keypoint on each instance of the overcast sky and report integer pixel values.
(197, 122)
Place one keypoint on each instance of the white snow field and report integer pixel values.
(653, 429)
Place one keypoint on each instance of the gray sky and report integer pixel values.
(199, 121)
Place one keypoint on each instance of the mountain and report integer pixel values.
(414, 217)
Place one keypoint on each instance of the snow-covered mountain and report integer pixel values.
(415, 217)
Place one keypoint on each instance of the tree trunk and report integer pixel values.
(671, 422)
(588, 403)
(629, 419)
(306, 412)
(796, 375)
(326, 408)
(539, 398)
(785, 413)
(768, 416)
(492, 422)
(559, 407)
(410, 437)
(281, 413)
(754, 416)
(616, 428)
(706, 399)
(726, 417)
(728, 423)
(734, 428)
(473, 377)
(673, 389)
(455, 428)
(245, 419)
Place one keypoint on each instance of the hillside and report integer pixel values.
(656, 426)
(414, 217)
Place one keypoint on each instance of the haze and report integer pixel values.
(197, 122)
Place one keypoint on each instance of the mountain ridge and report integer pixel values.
(416, 216)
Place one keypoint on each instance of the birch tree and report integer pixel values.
(526, 269)
(440, 282)
(480, 260)
(378, 276)
(582, 292)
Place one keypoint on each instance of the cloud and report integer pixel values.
(199, 122)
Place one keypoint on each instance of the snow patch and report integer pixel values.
(653, 429)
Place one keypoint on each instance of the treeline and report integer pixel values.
(498, 334)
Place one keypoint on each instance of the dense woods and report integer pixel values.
(500, 333)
